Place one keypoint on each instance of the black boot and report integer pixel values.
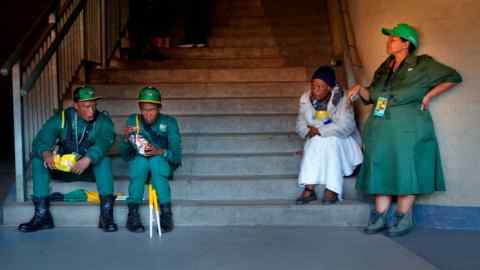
(166, 217)
(106, 222)
(134, 223)
(42, 218)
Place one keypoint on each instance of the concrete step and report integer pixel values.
(202, 63)
(312, 62)
(214, 188)
(292, 41)
(273, 22)
(206, 90)
(221, 53)
(241, 144)
(208, 106)
(229, 164)
(231, 124)
(307, 51)
(210, 144)
(278, 12)
(247, 12)
(210, 213)
(245, 4)
(286, 74)
(266, 31)
(278, 9)
(182, 57)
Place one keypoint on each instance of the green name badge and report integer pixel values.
(380, 107)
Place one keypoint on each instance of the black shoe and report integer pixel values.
(329, 197)
(166, 217)
(106, 222)
(134, 223)
(304, 198)
(42, 218)
(329, 202)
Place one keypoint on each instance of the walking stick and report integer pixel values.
(150, 207)
(153, 206)
(157, 211)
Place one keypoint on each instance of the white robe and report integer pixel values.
(334, 154)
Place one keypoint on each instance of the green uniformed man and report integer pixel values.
(152, 145)
(89, 134)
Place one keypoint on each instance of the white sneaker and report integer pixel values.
(200, 45)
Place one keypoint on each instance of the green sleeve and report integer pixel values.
(174, 152)
(47, 136)
(439, 73)
(104, 139)
(435, 73)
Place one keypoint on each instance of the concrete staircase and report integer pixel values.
(236, 102)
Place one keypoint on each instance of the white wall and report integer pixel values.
(450, 32)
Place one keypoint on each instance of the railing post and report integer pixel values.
(54, 75)
(103, 32)
(17, 127)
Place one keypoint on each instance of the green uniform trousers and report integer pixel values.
(102, 171)
(138, 169)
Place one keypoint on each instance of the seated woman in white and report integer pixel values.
(332, 147)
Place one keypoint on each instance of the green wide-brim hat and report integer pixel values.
(405, 31)
(149, 94)
(84, 93)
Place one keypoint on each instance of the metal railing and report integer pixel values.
(343, 37)
(344, 41)
(73, 32)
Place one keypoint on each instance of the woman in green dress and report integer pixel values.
(401, 158)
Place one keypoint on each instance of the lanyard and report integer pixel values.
(392, 75)
(84, 131)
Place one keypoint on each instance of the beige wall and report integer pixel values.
(450, 32)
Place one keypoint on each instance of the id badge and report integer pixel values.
(381, 107)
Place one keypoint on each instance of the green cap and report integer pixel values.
(84, 93)
(149, 94)
(405, 31)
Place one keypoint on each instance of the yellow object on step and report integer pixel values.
(93, 197)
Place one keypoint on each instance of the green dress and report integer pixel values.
(401, 151)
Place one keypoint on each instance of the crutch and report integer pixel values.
(153, 206)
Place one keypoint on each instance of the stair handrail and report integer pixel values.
(342, 31)
(78, 31)
(345, 50)
(6, 68)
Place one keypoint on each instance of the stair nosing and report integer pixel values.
(268, 203)
(209, 98)
(256, 114)
(239, 155)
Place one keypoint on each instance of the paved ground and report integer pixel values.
(206, 248)
(237, 248)
(452, 250)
